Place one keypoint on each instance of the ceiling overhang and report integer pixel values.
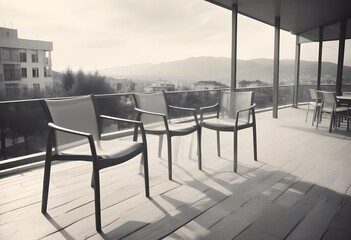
(299, 17)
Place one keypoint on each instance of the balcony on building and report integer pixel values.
(9, 55)
(12, 72)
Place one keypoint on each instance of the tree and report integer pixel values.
(90, 84)
(68, 79)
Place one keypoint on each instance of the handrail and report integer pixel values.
(129, 94)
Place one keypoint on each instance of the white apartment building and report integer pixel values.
(163, 85)
(208, 85)
(24, 64)
(121, 85)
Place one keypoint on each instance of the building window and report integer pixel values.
(47, 58)
(47, 72)
(23, 57)
(24, 72)
(35, 72)
(34, 56)
(36, 87)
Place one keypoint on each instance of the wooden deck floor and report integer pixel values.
(299, 189)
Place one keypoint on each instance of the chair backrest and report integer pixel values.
(153, 102)
(76, 114)
(231, 102)
(329, 99)
(313, 94)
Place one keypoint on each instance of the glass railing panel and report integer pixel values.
(190, 99)
(23, 128)
(116, 105)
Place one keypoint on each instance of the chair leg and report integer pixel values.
(135, 135)
(199, 147)
(331, 121)
(348, 117)
(146, 173)
(308, 109)
(46, 183)
(319, 118)
(97, 200)
(92, 180)
(235, 150)
(254, 141)
(169, 144)
(160, 144)
(191, 146)
(314, 115)
(218, 144)
(141, 165)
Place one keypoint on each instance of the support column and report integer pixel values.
(320, 54)
(234, 47)
(276, 67)
(297, 72)
(341, 56)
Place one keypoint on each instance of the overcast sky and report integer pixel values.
(97, 34)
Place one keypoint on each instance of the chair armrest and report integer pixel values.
(79, 133)
(202, 109)
(67, 130)
(247, 109)
(149, 112)
(164, 117)
(138, 123)
(193, 110)
(182, 108)
(120, 119)
(252, 108)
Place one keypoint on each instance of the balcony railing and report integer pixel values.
(12, 74)
(23, 125)
(12, 57)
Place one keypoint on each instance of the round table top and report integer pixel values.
(344, 97)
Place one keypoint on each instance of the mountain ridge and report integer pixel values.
(195, 69)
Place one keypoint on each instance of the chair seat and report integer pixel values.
(338, 109)
(109, 149)
(315, 104)
(222, 123)
(173, 127)
(182, 127)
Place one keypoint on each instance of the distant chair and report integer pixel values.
(329, 106)
(74, 135)
(153, 111)
(315, 103)
(234, 111)
(348, 118)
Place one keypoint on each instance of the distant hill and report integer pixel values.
(195, 69)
